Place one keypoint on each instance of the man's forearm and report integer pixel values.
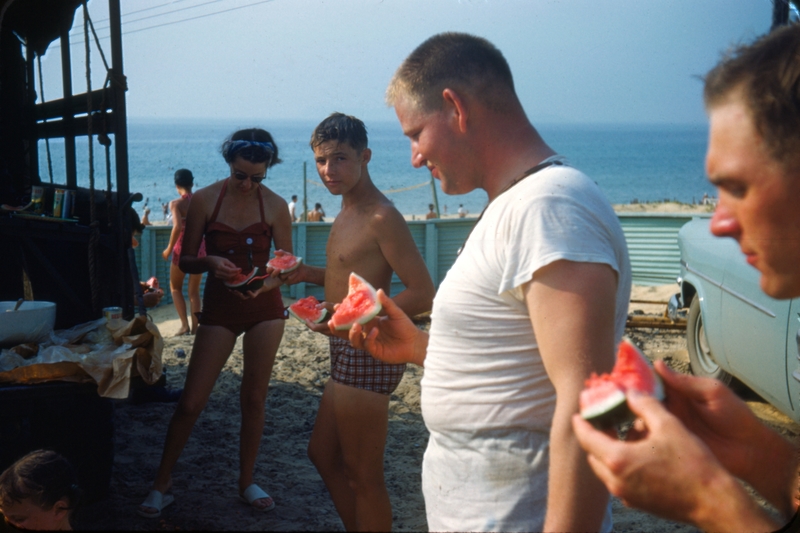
(576, 499)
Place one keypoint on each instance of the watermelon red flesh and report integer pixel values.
(359, 306)
(246, 282)
(603, 402)
(284, 261)
(306, 309)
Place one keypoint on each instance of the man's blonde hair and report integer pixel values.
(464, 63)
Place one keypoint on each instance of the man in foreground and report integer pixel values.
(535, 302)
(686, 460)
(369, 237)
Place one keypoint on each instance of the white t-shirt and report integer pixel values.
(292, 207)
(482, 368)
(484, 375)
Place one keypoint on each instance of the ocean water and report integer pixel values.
(630, 163)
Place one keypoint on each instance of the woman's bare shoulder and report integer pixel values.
(271, 198)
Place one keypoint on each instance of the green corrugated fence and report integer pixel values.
(652, 244)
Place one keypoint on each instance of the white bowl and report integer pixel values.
(31, 322)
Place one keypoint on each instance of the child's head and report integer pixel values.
(342, 129)
(184, 179)
(39, 491)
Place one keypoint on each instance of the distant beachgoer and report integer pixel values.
(293, 208)
(146, 217)
(184, 181)
(431, 213)
(445, 209)
(241, 219)
(39, 492)
(371, 238)
(461, 211)
(317, 214)
(165, 209)
(526, 313)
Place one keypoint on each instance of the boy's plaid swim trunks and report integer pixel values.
(357, 368)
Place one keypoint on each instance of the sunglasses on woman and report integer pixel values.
(242, 176)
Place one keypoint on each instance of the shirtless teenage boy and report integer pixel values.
(368, 237)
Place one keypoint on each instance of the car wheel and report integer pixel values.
(701, 360)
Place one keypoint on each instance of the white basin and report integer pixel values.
(31, 322)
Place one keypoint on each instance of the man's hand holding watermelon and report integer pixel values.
(706, 429)
(392, 338)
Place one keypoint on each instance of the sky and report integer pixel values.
(573, 61)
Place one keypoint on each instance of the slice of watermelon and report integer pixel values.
(251, 281)
(284, 262)
(603, 401)
(358, 307)
(306, 309)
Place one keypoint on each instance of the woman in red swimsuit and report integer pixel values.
(184, 181)
(239, 218)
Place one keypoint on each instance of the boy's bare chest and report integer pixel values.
(350, 243)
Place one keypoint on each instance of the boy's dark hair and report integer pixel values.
(343, 129)
(44, 477)
(767, 74)
(257, 146)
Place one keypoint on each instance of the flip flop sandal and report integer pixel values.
(253, 493)
(157, 501)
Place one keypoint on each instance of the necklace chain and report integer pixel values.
(530, 172)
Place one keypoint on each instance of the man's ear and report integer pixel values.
(61, 507)
(458, 107)
(366, 155)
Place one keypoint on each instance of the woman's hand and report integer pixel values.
(222, 268)
(166, 252)
(268, 285)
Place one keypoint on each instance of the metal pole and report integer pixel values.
(118, 88)
(67, 112)
(304, 218)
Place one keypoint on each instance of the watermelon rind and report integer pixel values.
(357, 283)
(249, 284)
(614, 410)
(270, 264)
(295, 312)
(609, 412)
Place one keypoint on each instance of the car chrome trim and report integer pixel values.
(733, 293)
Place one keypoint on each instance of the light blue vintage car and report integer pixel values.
(733, 329)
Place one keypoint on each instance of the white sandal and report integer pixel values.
(155, 500)
(253, 493)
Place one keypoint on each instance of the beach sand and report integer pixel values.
(205, 479)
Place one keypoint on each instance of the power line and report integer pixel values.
(197, 17)
(161, 14)
(56, 45)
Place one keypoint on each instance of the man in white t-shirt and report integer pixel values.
(535, 302)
